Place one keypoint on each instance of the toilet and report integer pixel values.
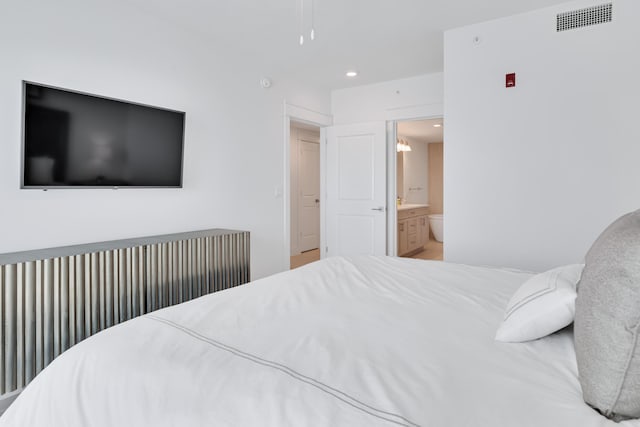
(435, 222)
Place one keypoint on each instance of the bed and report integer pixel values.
(346, 341)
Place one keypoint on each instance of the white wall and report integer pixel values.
(234, 128)
(534, 173)
(415, 97)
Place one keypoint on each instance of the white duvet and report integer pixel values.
(367, 341)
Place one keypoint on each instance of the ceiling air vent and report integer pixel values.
(584, 17)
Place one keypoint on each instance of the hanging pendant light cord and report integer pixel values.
(313, 31)
(301, 22)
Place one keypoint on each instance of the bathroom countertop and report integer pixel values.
(411, 206)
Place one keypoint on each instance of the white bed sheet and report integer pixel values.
(363, 341)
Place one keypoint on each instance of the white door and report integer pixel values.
(309, 185)
(356, 189)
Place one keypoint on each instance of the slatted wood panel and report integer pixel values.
(48, 305)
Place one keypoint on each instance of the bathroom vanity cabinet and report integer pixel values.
(413, 228)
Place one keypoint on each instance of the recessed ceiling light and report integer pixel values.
(437, 125)
(352, 73)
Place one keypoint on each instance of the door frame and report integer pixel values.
(301, 114)
(392, 178)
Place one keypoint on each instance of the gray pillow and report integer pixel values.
(607, 321)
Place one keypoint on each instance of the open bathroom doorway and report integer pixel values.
(419, 188)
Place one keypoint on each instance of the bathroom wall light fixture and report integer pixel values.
(351, 73)
(402, 145)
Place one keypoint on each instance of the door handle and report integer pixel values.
(380, 209)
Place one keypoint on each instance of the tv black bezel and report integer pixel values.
(76, 187)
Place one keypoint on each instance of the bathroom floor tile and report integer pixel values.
(432, 250)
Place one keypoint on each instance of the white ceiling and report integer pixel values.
(422, 130)
(382, 39)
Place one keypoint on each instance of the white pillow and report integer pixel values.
(542, 305)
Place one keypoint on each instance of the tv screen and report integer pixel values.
(74, 139)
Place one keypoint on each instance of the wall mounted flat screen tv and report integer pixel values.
(77, 140)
